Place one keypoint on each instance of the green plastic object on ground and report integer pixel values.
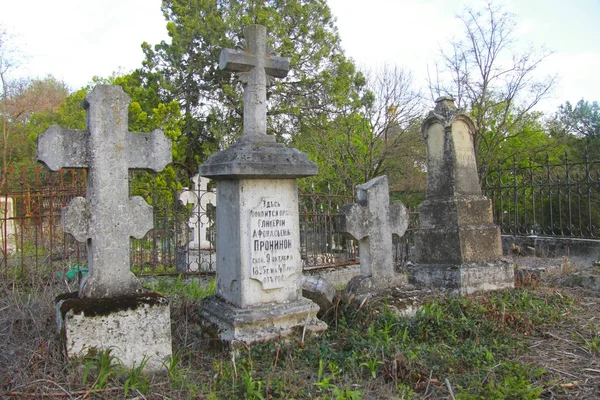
(73, 272)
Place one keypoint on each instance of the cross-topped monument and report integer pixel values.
(200, 197)
(108, 217)
(255, 67)
(258, 264)
(372, 221)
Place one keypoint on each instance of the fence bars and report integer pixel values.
(546, 199)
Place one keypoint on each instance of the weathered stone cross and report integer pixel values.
(256, 67)
(108, 217)
(372, 222)
(200, 197)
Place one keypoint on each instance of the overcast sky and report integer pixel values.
(74, 40)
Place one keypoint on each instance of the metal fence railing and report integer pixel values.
(547, 199)
(32, 240)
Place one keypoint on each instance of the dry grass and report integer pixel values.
(32, 364)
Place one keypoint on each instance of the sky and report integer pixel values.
(74, 40)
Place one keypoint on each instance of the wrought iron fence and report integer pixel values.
(32, 239)
(548, 199)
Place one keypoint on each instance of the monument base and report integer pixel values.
(367, 284)
(261, 323)
(136, 328)
(465, 278)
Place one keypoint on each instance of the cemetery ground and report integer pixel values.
(541, 340)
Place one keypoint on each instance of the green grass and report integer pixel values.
(472, 344)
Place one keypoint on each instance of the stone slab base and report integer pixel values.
(261, 323)
(134, 327)
(360, 285)
(465, 278)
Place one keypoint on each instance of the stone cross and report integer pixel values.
(108, 217)
(372, 221)
(256, 67)
(200, 197)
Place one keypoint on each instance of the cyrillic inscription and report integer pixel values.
(273, 249)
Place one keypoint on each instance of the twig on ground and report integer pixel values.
(449, 388)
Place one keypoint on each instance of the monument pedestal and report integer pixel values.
(464, 278)
(135, 328)
(262, 322)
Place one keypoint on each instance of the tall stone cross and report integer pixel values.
(372, 221)
(108, 217)
(255, 67)
(200, 197)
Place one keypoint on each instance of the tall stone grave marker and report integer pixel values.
(372, 220)
(199, 248)
(111, 309)
(458, 247)
(258, 248)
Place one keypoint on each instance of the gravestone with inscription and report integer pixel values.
(199, 250)
(259, 271)
(8, 240)
(458, 247)
(372, 220)
(111, 309)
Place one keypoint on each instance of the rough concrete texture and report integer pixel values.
(457, 247)
(585, 251)
(321, 291)
(108, 217)
(372, 220)
(200, 197)
(256, 160)
(264, 322)
(255, 66)
(464, 278)
(135, 328)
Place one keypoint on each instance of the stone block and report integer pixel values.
(464, 278)
(458, 244)
(261, 323)
(455, 211)
(135, 328)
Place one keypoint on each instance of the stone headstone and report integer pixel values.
(105, 220)
(199, 250)
(458, 247)
(8, 241)
(259, 270)
(372, 220)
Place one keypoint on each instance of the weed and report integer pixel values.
(593, 345)
(372, 363)
(252, 389)
(136, 379)
(101, 364)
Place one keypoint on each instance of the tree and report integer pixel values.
(491, 79)
(579, 127)
(25, 100)
(186, 70)
(366, 133)
(7, 63)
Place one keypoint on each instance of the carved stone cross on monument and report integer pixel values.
(256, 67)
(372, 221)
(200, 197)
(108, 217)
